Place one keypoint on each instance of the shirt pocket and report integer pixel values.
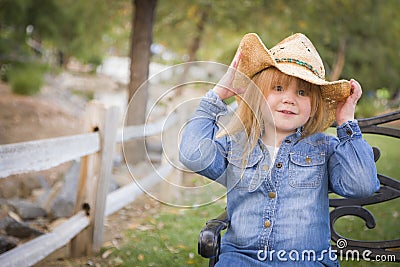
(244, 176)
(305, 171)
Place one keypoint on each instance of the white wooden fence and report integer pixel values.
(95, 149)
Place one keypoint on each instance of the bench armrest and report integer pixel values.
(210, 236)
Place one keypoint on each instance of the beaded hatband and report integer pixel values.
(301, 63)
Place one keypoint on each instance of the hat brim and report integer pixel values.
(255, 57)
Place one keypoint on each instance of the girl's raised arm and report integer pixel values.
(351, 166)
(224, 89)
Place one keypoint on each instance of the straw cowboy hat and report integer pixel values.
(295, 56)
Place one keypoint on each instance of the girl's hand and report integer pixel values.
(224, 88)
(345, 109)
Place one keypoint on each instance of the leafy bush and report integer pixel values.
(374, 103)
(26, 79)
(4, 69)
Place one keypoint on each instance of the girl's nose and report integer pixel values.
(288, 97)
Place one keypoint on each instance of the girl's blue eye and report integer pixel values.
(301, 93)
(278, 88)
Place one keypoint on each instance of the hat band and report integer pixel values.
(299, 62)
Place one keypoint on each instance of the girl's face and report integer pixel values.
(288, 107)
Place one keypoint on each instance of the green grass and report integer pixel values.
(88, 95)
(167, 238)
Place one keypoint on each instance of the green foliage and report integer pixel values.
(374, 103)
(4, 70)
(370, 35)
(88, 95)
(368, 29)
(26, 79)
(86, 30)
(75, 28)
(365, 109)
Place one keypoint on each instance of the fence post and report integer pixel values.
(95, 174)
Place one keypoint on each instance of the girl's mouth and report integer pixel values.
(288, 112)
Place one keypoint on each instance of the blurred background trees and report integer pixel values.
(356, 39)
(36, 35)
(70, 28)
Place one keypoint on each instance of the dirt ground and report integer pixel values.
(24, 118)
(56, 112)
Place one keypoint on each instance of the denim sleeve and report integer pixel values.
(199, 150)
(351, 165)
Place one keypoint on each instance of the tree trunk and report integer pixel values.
(141, 39)
(200, 26)
(195, 44)
(339, 62)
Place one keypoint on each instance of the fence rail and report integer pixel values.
(96, 151)
(43, 154)
(39, 248)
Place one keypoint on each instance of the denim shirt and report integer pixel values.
(281, 205)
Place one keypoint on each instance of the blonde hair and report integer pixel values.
(248, 116)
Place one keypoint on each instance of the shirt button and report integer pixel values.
(288, 141)
(279, 165)
(271, 194)
(267, 223)
(265, 167)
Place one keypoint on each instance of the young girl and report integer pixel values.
(273, 156)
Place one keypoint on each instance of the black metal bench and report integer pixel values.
(210, 235)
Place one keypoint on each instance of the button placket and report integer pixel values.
(268, 213)
(271, 194)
